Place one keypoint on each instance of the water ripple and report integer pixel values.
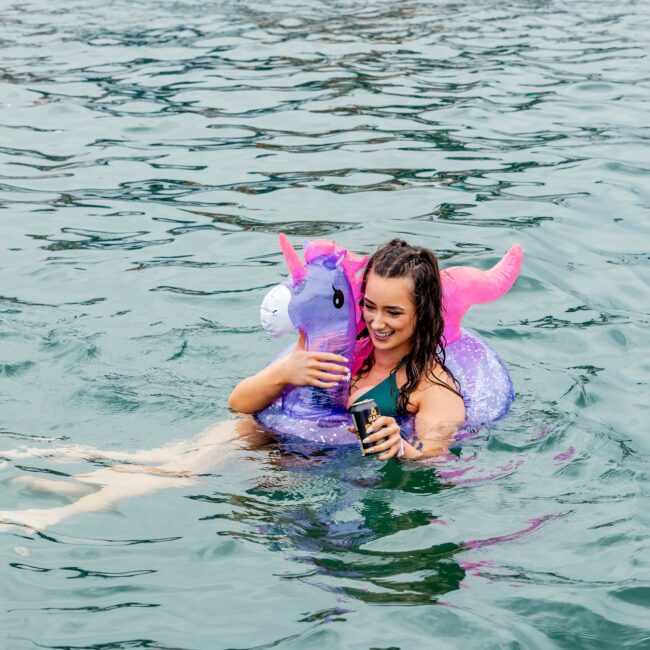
(174, 141)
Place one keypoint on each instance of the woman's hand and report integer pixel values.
(299, 368)
(386, 438)
(312, 368)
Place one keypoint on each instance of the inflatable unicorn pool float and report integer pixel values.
(321, 298)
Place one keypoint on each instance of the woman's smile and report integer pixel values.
(382, 336)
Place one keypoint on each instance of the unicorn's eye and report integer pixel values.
(338, 298)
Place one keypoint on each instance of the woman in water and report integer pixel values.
(405, 373)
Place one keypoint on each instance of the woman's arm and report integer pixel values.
(440, 414)
(254, 393)
(299, 368)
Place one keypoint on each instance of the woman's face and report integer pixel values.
(389, 312)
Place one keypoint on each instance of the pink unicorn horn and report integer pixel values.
(296, 267)
(463, 287)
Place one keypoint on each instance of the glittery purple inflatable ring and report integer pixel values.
(321, 299)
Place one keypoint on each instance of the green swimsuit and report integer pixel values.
(385, 393)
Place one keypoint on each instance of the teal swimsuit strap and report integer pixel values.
(392, 375)
(385, 393)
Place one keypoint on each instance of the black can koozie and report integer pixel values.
(364, 414)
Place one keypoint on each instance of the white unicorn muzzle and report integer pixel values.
(274, 312)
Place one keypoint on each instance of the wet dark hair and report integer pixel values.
(397, 259)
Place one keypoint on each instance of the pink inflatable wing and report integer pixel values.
(463, 286)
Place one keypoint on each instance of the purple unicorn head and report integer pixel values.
(321, 299)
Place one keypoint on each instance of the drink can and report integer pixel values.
(364, 414)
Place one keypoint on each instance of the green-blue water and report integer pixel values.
(150, 152)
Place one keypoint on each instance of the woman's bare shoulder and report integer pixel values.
(437, 390)
(437, 377)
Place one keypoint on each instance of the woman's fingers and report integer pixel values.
(324, 372)
(330, 367)
(329, 356)
(378, 436)
(389, 454)
(324, 384)
(385, 433)
(327, 376)
(383, 446)
(389, 448)
(383, 427)
(384, 422)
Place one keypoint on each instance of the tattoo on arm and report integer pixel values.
(415, 442)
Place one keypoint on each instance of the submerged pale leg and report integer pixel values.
(183, 462)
